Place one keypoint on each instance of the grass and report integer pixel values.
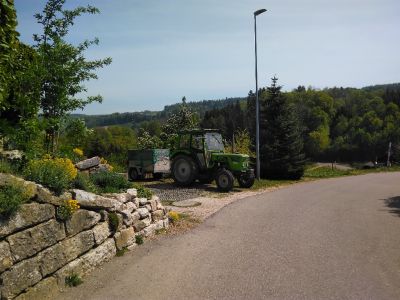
(73, 280)
(121, 252)
(139, 239)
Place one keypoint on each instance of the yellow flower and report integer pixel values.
(174, 216)
(78, 151)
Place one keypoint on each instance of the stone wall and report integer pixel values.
(38, 251)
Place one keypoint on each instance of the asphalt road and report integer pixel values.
(329, 239)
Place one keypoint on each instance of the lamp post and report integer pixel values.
(256, 13)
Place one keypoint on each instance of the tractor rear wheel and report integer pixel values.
(224, 180)
(246, 180)
(184, 170)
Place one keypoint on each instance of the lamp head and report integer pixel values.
(260, 11)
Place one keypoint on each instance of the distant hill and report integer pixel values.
(134, 119)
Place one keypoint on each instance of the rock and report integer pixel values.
(153, 205)
(20, 277)
(155, 198)
(159, 224)
(5, 256)
(124, 238)
(28, 215)
(88, 261)
(132, 247)
(148, 207)
(88, 163)
(157, 215)
(104, 215)
(81, 220)
(30, 241)
(132, 192)
(91, 200)
(12, 154)
(121, 197)
(44, 195)
(131, 206)
(166, 223)
(46, 289)
(149, 230)
(139, 225)
(143, 212)
(142, 201)
(60, 254)
(131, 218)
(101, 232)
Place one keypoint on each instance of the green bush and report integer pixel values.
(11, 197)
(5, 166)
(56, 174)
(110, 182)
(73, 280)
(84, 182)
(139, 239)
(113, 222)
(142, 192)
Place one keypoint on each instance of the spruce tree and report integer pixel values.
(281, 150)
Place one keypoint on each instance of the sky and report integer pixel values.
(163, 50)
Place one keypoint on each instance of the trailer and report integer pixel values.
(148, 161)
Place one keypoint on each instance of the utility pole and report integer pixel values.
(388, 156)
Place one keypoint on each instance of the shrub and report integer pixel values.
(121, 252)
(84, 182)
(65, 211)
(139, 239)
(11, 197)
(142, 192)
(73, 280)
(110, 182)
(113, 222)
(57, 174)
(5, 166)
(173, 216)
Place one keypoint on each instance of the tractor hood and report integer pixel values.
(235, 161)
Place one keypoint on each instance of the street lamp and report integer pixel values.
(256, 13)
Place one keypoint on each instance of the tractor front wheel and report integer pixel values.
(246, 180)
(224, 180)
(184, 170)
(133, 174)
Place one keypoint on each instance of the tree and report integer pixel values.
(281, 148)
(63, 67)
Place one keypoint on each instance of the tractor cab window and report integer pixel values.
(213, 141)
(197, 142)
(184, 142)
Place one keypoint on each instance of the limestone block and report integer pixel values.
(101, 232)
(149, 230)
(94, 201)
(28, 215)
(143, 212)
(166, 223)
(157, 215)
(121, 197)
(124, 238)
(155, 198)
(5, 256)
(88, 163)
(88, 261)
(44, 195)
(60, 254)
(81, 220)
(30, 241)
(46, 289)
(20, 277)
(142, 201)
(131, 206)
(131, 218)
(153, 205)
(132, 192)
(159, 224)
(139, 225)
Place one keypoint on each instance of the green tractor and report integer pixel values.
(199, 155)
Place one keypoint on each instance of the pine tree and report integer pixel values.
(281, 151)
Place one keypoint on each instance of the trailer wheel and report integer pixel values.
(184, 170)
(224, 180)
(133, 174)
